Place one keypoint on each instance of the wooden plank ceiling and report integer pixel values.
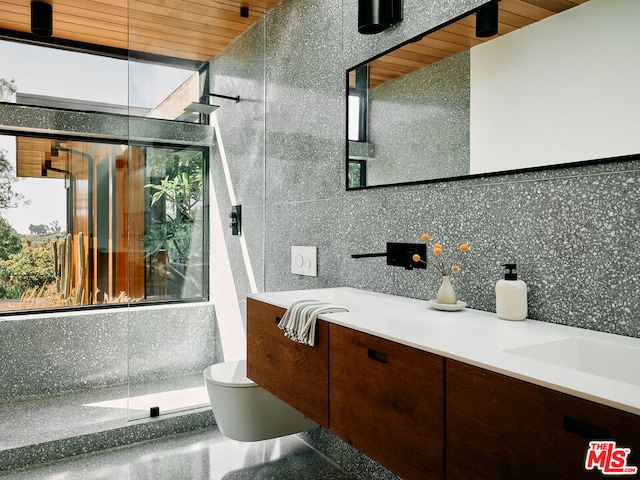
(188, 29)
(460, 36)
(200, 29)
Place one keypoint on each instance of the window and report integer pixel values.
(88, 218)
(357, 173)
(174, 231)
(107, 223)
(57, 78)
(357, 106)
(357, 127)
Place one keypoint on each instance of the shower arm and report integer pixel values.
(237, 98)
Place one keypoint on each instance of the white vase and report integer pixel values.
(446, 293)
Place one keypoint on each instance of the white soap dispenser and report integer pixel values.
(511, 295)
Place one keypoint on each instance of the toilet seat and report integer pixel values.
(229, 374)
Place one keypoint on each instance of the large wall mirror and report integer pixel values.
(558, 84)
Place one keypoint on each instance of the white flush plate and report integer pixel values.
(304, 260)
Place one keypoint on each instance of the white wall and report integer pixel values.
(576, 97)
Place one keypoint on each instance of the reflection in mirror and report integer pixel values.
(556, 85)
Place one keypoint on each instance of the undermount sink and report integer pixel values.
(590, 356)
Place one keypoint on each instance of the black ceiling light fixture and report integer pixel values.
(41, 19)
(487, 20)
(374, 16)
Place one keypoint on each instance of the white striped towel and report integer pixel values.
(299, 321)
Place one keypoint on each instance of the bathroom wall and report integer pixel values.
(571, 231)
(50, 354)
(237, 167)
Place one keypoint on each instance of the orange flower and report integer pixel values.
(440, 264)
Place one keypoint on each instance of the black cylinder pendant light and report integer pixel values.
(41, 19)
(487, 20)
(374, 16)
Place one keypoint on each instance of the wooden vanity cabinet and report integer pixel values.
(426, 417)
(387, 400)
(295, 373)
(499, 427)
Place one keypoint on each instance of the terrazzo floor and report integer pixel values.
(204, 455)
(35, 421)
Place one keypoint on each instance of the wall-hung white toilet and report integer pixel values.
(244, 410)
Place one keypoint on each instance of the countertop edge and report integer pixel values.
(595, 389)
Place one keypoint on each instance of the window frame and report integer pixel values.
(127, 55)
(205, 298)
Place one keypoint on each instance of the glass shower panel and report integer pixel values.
(167, 204)
(59, 134)
(168, 262)
(183, 183)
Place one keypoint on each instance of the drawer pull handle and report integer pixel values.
(378, 356)
(585, 430)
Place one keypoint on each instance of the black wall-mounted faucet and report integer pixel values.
(400, 255)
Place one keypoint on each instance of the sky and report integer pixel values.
(59, 73)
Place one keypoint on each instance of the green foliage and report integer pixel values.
(356, 174)
(176, 197)
(182, 191)
(9, 240)
(30, 268)
(160, 233)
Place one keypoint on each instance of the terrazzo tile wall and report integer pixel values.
(565, 228)
(239, 70)
(57, 353)
(571, 231)
(28, 118)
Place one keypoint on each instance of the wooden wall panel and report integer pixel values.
(113, 252)
(122, 238)
(79, 169)
(133, 220)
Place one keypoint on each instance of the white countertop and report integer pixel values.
(474, 337)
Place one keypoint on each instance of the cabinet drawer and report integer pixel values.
(503, 428)
(387, 401)
(296, 373)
